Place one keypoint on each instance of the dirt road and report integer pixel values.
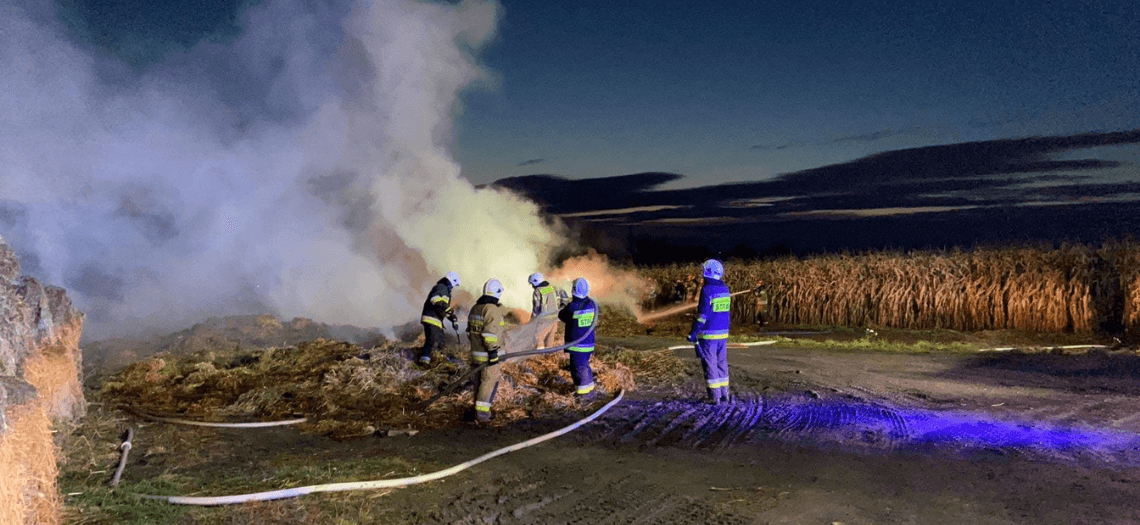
(815, 437)
(820, 437)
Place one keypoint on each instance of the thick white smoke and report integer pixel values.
(301, 169)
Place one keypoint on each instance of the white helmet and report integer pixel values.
(581, 287)
(493, 288)
(452, 278)
(713, 269)
(535, 279)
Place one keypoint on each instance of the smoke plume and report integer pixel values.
(300, 168)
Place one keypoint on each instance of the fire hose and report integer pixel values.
(126, 448)
(212, 424)
(684, 307)
(382, 483)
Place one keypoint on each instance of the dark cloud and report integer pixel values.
(865, 137)
(981, 185)
(777, 147)
(869, 137)
(989, 172)
(531, 162)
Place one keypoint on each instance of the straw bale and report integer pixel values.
(28, 468)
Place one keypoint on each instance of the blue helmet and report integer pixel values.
(581, 287)
(452, 278)
(493, 288)
(713, 269)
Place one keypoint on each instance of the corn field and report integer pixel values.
(1071, 288)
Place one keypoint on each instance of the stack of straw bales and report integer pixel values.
(39, 382)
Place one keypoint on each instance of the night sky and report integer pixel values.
(745, 90)
(734, 91)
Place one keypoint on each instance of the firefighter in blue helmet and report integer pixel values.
(486, 325)
(437, 308)
(710, 331)
(581, 316)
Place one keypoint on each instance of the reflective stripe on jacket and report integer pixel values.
(545, 300)
(713, 311)
(579, 316)
(437, 303)
(485, 326)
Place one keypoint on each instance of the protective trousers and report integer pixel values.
(546, 335)
(581, 373)
(714, 359)
(486, 383)
(433, 339)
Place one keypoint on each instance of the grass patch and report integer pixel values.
(92, 501)
(868, 343)
(160, 465)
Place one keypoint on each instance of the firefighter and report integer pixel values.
(485, 328)
(692, 288)
(762, 315)
(547, 301)
(710, 331)
(580, 316)
(437, 307)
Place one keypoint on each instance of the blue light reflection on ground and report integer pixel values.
(865, 426)
(972, 430)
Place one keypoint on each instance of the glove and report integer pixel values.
(451, 316)
(692, 337)
(493, 356)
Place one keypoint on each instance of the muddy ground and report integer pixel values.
(814, 437)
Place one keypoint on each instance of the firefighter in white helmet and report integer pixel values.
(485, 328)
(437, 308)
(547, 301)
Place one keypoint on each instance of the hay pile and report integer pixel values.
(344, 389)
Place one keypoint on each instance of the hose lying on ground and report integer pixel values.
(730, 345)
(190, 422)
(126, 448)
(1069, 347)
(382, 483)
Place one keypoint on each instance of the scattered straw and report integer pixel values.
(346, 390)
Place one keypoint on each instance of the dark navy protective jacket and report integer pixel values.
(437, 303)
(579, 315)
(713, 311)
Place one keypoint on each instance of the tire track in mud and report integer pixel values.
(530, 499)
(855, 424)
